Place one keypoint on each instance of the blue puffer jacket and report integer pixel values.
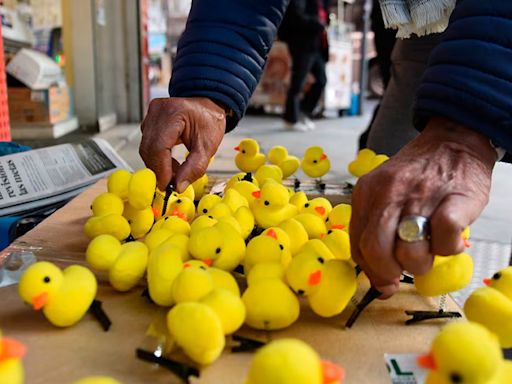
(223, 50)
(469, 77)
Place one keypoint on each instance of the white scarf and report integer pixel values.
(421, 17)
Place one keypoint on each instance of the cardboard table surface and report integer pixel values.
(63, 355)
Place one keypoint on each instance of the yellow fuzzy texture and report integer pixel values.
(279, 156)
(199, 186)
(264, 248)
(296, 233)
(234, 200)
(319, 206)
(245, 219)
(285, 361)
(229, 308)
(315, 163)
(69, 292)
(140, 220)
(164, 266)
(197, 329)
(241, 176)
(266, 270)
(112, 224)
(270, 305)
(97, 380)
(365, 162)
(183, 205)
(11, 371)
(129, 266)
(156, 237)
(107, 203)
(268, 171)
(191, 284)
(338, 242)
(319, 248)
(141, 188)
(102, 252)
(299, 199)
(492, 309)
(118, 182)
(502, 281)
(448, 274)
(246, 189)
(272, 207)
(225, 280)
(340, 217)
(314, 225)
(206, 203)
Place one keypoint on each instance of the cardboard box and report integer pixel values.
(50, 105)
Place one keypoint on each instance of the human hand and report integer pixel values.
(444, 175)
(197, 122)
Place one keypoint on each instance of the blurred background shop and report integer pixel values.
(85, 66)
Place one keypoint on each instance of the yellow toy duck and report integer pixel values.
(448, 274)
(315, 162)
(466, 352)
(339, 218)
(272, 205)
(271, 246)
(141, 188)
(117, 183)
(141, 220)
(221, 246)
(291, 361)
(268, 171)
(199, 187)
(338, 242)
(241, 176)
(112, 224)
(165, 264)
(296, 233)
(249, 158)
(491, 306)
(299, 199)
(279, 156)
(11, 367)
(319, 206)
(365, 162)
(313, 224)
(107, 203)
(328, 284)
(64, 296)
(125, 263)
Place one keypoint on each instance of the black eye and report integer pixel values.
(266, 202)
(46, 279)
(456, 378)
(300, 292)
(217, 250)
(166, 218)
(306, 205)
(202, 267)
(315, 161)
(321, 260)
(496, 276)
(327, 220)
(129, 221)
(210, 217)
(329, 231)
(205, 210)
(243, 150)
(281, 246)
(178, 201)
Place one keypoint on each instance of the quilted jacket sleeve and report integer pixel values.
(469, 77)
(223, 50)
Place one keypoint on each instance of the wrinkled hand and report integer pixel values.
(198, 123)
(445, 175)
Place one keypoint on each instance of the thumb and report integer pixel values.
(191, 169)
(448, 221)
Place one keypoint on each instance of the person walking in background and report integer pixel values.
(303, 29)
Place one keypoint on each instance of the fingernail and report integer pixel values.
(183, 185)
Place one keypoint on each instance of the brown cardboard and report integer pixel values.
(63, 355)
(38, 106)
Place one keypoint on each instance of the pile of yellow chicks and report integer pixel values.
(187, 245)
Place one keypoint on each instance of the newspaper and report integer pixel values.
(41, 177)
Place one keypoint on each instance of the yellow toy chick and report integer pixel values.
(107, 203)
(11, 367)
(229, 308)
(272, 205)
(466, 352)
(64, 296)
(328, 285)
(268, 247)
(165, 264)
(491, 306)
(117, 183)
(296, 233)
(125, 263)
(338, 242)
(315, 162)
(268, 171)
(339, 218)
(313, 224)
(220, 246)
(448, 274)
(249, 158)
(141, 188)
(291, 361)
(279, 156)
(319, 206)
(365, 162)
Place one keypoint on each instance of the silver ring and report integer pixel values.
(413, 228)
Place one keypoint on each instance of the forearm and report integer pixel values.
(468, 79)
(223, 50)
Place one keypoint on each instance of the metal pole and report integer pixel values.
(363, 69)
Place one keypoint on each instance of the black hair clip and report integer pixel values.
(183, 371)
(370, 296)
(245, 344)
(296, 185)
(406, 279)
(247, 177)
(168, 192)
(99, 314)
(418, 316)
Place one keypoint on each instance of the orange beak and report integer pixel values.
(186, 265)
(320, 210)
(256, 194)
(323, 157)
(487, 281)
(208, 262)
(12, 349)
(315, 278)
(237, 148)
(467, 243)
(178, 213)
(427, 361)
(272, 233)
(322, 235)
(332, 373)
(338, 226)
(39, 301)
(156, 213)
